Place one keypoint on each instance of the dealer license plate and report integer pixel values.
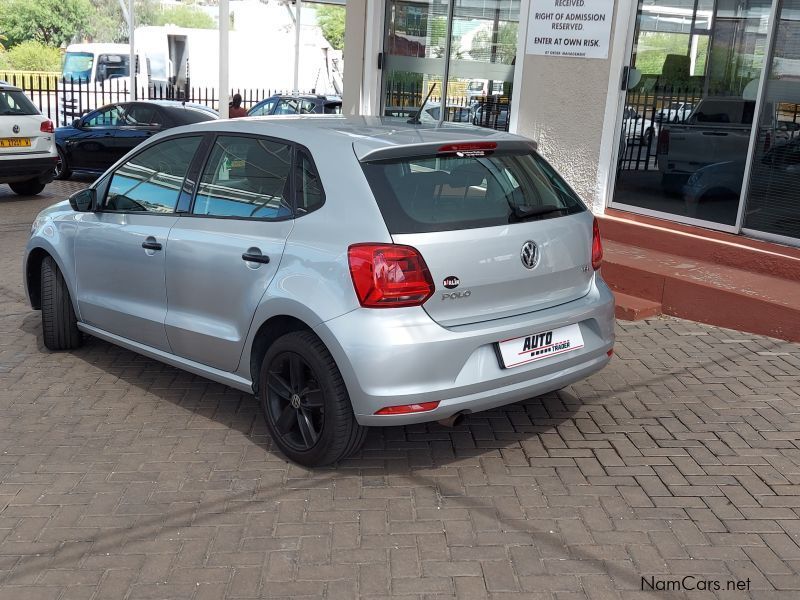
(538, 346)
(14, 142)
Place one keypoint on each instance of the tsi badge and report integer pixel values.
(450, 283)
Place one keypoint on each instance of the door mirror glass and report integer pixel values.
(634, 77)
(82, 201)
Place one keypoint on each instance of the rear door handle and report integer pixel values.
(256, 258)
(151, 245)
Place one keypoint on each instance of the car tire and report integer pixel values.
(305, 402)
(59, 325)
(27, 188)
(62, 170)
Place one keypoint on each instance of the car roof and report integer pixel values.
(7, 87)
(369, 136)
(304, 97)
(179, 104)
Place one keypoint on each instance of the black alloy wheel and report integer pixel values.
(295, 401)
(305, 402)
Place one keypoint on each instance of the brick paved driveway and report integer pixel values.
(124, 478)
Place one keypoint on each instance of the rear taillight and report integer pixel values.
(389, 275)
(47, 127)
(597, 246)
(663, 142)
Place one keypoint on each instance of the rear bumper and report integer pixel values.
(401, 356)
(14, 169)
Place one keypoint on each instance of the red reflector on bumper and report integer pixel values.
(405, 409)
(610, 352)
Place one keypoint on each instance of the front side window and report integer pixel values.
(247, 178)
(108, 116)
(151, 181)
(263, 109)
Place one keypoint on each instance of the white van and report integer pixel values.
(94, 74)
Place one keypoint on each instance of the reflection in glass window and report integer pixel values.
(263, 109)
(773, 203)
(245, 177)
(151, 181)
(108, 116)
(310, 195)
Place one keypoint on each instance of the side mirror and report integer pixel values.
(83, 201)
(77, 123)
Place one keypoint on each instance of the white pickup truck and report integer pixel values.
(718, 130)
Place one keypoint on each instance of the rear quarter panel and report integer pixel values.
(313, 281)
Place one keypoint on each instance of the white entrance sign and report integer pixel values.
(579, 28)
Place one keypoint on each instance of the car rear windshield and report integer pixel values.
(16, 103)
(445, 193)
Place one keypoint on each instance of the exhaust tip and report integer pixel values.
(452, 420)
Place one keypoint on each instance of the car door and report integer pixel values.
(120, 249)
(224, 253)
(94, 147)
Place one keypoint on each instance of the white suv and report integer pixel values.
(27, 143)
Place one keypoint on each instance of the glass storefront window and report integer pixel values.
(687, 125)
(480, 66)
(773, 202)
(414, 51)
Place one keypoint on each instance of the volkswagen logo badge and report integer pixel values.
(529, 254)
(15, 129)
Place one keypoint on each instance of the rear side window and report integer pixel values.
(444, 193)
(151, 181)
(333, 108)
(16, 103)
(246, 177)
(310, 195)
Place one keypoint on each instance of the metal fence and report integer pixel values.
(492, 111)
(64, 100)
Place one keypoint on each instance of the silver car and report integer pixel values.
(348, 271)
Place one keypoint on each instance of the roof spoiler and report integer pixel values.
(435, 148)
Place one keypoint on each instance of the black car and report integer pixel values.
(100, 138)
(293, 105)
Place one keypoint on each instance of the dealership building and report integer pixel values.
(678, 120)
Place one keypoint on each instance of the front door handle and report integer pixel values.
(151, 245)
(256, 258)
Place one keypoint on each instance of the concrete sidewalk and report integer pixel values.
(123, 478)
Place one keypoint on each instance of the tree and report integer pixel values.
(185, 16)
(33, 56)
(51, 22)
(331, 20)
(506, 48)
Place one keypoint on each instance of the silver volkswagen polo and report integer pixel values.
(350, 272)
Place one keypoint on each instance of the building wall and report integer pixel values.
(354, 36)
(561, 103)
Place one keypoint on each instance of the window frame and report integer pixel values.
(107, 179)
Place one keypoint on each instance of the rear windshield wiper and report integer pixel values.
(517, 214)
